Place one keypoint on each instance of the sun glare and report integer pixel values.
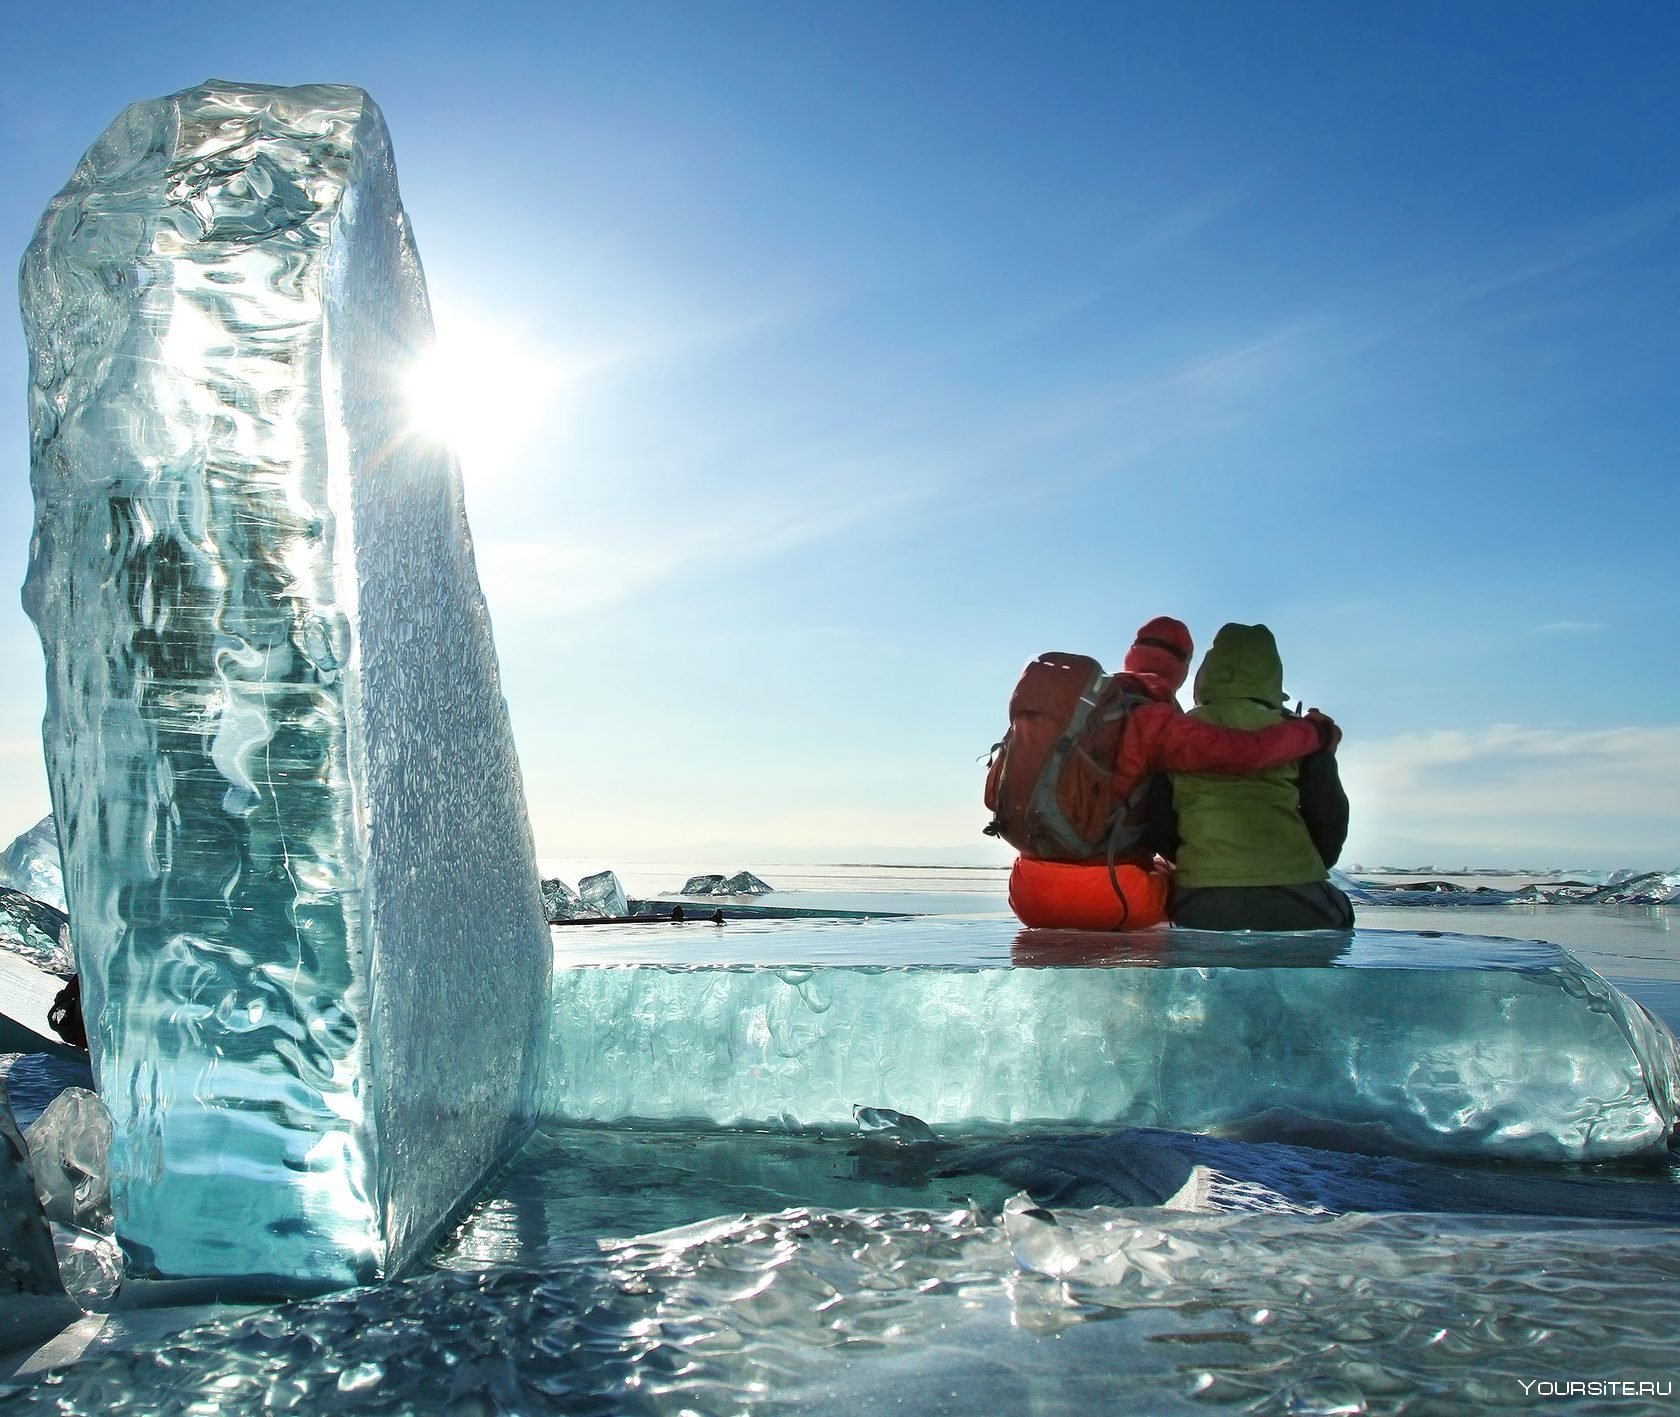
(487, 392)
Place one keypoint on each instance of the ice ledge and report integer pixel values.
(1525, 1054)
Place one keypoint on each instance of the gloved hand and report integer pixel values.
(1328, 734)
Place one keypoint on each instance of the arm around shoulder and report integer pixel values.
(1188, 744)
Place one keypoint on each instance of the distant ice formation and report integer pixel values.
(305, 903)
(1621, 888)
(741, 883)
(701, 885)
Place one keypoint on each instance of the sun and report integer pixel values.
(485, 391)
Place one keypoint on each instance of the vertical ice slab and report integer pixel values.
(294, 836)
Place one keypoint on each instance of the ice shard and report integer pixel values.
(294, 837)
(603, 893)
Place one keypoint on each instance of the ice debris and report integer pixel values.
(31, 865)
(35, 931)
(561, 902)
(899, 1126)
(701, 885)
(741, 883)
(1622, 888)
(603, 894)
(67, 1152)
(67, 1149)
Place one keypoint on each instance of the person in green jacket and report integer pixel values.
(1254, 852)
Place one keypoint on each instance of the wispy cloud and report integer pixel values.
(1566, 787)
(570, 578)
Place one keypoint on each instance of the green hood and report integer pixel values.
(1242, 663)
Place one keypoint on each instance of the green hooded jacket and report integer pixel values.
(1242, 831)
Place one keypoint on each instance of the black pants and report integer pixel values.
(1317, 906)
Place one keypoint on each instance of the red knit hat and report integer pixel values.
(1163, 648)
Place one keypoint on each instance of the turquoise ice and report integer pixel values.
(1379, 1040)
(296, 852)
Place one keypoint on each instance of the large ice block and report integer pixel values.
(294, 836)
(1434, 1046)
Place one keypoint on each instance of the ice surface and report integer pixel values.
(603, 894)
(30, 864)
(920, 1311)
(1541, 1062)
(307, 912)
(36, 931)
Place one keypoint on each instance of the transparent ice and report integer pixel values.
(68, 1144)
(35, 931)
(603, 894)
(1395, 1045)
(31, 865)
(743, 883)
(561, 902)
(67, 1147)
(701, 885)
(306, 908)
(810, 1309)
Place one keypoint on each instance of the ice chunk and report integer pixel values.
(67, 1149)
(67, 1146)
(1645, 888)
(603, 894)
(742, 883)
(307, 912)
(27, 1264)
(89, 1264)
(36, 931)
(1398, 1044)
(701, 885)
(30, 864)
(561, 902)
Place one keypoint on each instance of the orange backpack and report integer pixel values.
(1048, 782)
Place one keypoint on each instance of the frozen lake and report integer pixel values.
(674, 1266)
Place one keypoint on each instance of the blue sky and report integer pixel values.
(819, 365)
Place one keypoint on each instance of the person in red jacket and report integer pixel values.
(1157, 736)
